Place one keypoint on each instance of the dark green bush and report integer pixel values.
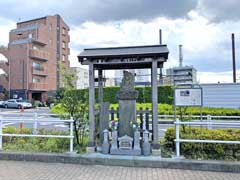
(205, 150)
(165, 94)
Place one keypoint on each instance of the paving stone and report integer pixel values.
(20, 170)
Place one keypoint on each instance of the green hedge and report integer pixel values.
(167, 109)
(33, 144)
(205, 150)
(165, 94)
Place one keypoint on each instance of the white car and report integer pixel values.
(17, 103)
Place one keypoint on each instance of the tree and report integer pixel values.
(75, 103)
(68, 77)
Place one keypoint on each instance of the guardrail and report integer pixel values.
(35, 120)
(178, 140)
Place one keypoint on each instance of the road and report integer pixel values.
(29, 113)
(13, 170)
(43, 113)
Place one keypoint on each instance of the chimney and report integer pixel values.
(180, 56)
(160, 36)
(233, 58)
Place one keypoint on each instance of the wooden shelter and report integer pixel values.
(115, 58)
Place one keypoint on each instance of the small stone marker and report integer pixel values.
(136, 141)
(105, 145)
(114, 146)
(146, 145)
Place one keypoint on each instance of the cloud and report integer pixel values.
(220, 10)
(221, 77)
(79, 11)
(5, 26)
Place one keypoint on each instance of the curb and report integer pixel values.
(129, 161)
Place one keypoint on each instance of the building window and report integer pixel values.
(36, 80)
(35, 47)
(63, 57)
(50, 27)
(63, 44)
(37, 66)
(63, 31)
(30, 36)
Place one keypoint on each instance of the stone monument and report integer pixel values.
(127, 105)
(126, 140)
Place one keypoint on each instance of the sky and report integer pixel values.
(203, 27)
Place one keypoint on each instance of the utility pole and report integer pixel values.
(233, 58)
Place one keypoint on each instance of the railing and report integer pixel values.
(38, 54)
(35, 120)
(39, 71)
(178, 140)
(38, 86)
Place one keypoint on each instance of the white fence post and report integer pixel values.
(35, 131)
(1, 133)
(177, 139)
(71, 134)
(209, 120)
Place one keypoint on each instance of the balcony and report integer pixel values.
(40, 55)
(39, 71)
(38, 86)
(38, 41)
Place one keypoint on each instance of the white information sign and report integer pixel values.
(188, 97)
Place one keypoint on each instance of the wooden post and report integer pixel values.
(156, 142)
(112, 113)
(100, 87)
(141, 121)
(91, 143)
(147, 118)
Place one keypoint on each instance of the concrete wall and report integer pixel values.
(221, 95)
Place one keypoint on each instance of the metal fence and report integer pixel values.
(35, 120)
(178, 140)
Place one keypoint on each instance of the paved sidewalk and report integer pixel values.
(17, 170)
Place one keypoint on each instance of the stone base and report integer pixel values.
(156, 152)
(130, 152)
(90, 149)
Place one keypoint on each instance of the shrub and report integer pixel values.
(34, 144)
(206, 150)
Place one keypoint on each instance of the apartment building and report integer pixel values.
(36, 47)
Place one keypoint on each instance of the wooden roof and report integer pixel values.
(131, 57)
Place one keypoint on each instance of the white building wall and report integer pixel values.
(140, 75)
(221, 95)
(82, 81)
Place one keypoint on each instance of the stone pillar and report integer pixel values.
(114, 147)
(146, 144)
(104, 119)
(105, 145)
(136, 145)
(91, 144)
(127, 114)
(156, 143)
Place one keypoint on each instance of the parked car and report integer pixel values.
(2, 103)
(17, 103)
